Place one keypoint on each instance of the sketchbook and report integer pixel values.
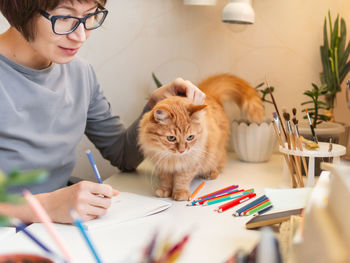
(128, 206)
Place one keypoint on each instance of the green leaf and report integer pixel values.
(17, 177)
(307, 102)
(342, 39)
(4, 221)
(3, 178)
(260, 85)
(12, 198)
(156, 80)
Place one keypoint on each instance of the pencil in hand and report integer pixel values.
(94, 166)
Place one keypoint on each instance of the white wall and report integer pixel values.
(172, 39)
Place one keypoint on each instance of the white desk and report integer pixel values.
(215, 237)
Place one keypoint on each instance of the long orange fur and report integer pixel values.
(185, 140)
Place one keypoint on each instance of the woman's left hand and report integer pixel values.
(177, 87)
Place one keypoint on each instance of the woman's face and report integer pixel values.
(61, 49)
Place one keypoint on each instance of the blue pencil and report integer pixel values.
(264, 210)
(242, 209)
(94, 166)
(78, 223)
(22, 227)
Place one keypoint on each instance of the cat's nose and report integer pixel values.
(181, 151)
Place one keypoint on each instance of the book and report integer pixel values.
(128, 206)
(270, 219)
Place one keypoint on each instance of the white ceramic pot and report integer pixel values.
(200, 2)
(253, 142)
(324, 130)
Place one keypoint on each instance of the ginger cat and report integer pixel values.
(185, 140)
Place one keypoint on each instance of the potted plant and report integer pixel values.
(335, 66)
(334, 56)
(254, 142)
(15, 178)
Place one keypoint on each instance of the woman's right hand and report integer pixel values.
(90, 200)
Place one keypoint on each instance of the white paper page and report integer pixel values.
(288, 199)
(127, 206)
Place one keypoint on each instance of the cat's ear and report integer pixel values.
(196, 111)
(161, 116)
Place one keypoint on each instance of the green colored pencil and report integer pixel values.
(258, 208)
(229, 197)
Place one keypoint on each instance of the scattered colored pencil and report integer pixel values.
(229, 197)
(223, 190)
(261, 206)
(196, 191)
(264, 210)
(255, 206)
(202, 200)
(235, 202)
(78, 223)
(46, 220)
(247, 206)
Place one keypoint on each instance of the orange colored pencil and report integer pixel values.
(226, 189)
(195, 192)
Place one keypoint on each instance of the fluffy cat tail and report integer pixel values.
(229, 88)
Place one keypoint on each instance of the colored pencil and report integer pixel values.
(46, 220)
(78, 223)
(264, 210)
(261, 206)
(235, 202)
(255, 206)
(22, 227)
(94, 166)
(229, 197)
(200, 201)
(247, 206)
(196, 191)
(223, 190)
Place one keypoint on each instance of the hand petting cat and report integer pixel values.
(178, 87)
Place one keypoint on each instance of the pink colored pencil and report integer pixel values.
(46, 220)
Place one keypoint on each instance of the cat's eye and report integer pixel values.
(171, 138)
(190, 138)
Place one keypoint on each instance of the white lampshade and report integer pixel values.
(238, 12)
(200, 2)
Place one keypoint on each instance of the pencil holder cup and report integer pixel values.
(253, 142)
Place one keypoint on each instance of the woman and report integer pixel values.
(49, 99)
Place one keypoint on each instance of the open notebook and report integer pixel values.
(127, 206)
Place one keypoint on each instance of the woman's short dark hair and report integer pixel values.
(21, 13)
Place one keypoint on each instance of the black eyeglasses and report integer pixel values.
(63, 25)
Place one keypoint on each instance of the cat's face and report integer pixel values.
(175, 126)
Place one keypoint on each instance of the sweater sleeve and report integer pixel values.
(115, 142)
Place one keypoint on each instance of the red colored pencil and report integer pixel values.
(223, 190)
(235, 202)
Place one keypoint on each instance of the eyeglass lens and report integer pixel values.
(67, 24)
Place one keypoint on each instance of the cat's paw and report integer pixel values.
(163, 192)
(181, 195)
(213, 174)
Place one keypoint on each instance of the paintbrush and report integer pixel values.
(297, 139)
(311, 127)
(291, 140)
(276, 126)
(276, 108)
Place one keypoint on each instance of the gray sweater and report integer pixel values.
(44, 114)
